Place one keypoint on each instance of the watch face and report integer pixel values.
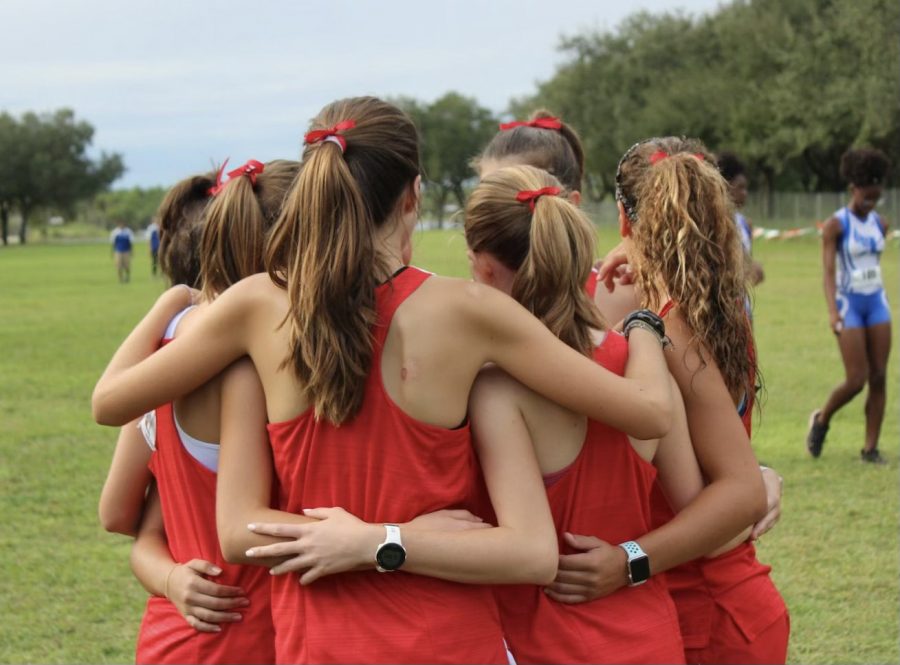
(640, 569)
(390, 556)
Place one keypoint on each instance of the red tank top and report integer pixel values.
(605, 492)
(590, 286)
(382, 466)
(735, 582)
(187, 492)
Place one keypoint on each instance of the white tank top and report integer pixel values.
(859, 252)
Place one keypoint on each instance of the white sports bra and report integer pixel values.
(207, 454)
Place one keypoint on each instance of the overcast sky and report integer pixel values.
(174, 85)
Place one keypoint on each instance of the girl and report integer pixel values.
(596, 480)
(852, 243)
(366, 366)
(179, 516)
(675, 216)
(548, 143)
(735, 174)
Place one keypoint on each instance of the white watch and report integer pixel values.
(390, 554)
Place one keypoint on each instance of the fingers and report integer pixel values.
(202, 600)
(577, 562)
(205, 620)
(219, 590)
(293, 565)
(568, 599)
(765, 524)
(580, 577)
(583, 542)
(282, 530)
(311, 576)
(204, 567)
(322, 513)
(287, 548)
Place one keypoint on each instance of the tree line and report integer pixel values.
(45, 166)
(788, 85)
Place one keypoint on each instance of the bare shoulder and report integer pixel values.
(831, 228)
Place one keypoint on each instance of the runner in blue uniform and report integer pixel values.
(121, 239)
(852, 243)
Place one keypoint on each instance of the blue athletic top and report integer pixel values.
(859, 252)
(744, 229)
(121, 239)
(153, 231)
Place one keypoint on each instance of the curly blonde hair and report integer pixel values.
(688, 248)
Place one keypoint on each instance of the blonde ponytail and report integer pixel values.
(550, 248)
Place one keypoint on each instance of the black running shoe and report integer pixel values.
(815, 437)
(871, 456)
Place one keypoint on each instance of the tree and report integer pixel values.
(454, 129)
(50, 168)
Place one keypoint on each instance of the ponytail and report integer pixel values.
(687, 244)
(551, 249)
(322, 250)
(238, 220)
(181, 217)
(553, 147)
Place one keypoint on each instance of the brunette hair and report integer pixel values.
(181, 217)
(730, 166)
(557, 151)
(551, 249)
(863, 167)
(322, 249)
(237, 222)
(687, 243)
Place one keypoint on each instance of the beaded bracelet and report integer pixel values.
(639, 323)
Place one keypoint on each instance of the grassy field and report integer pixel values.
(67, 595)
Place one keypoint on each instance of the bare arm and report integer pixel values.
(640, 405)
(520, 549)
(244, 485)
(122, 498)
(203, 603)
(138, 380)
(831, 234)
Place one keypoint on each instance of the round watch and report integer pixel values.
(390, 554)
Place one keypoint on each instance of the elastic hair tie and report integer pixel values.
(331, 134)
(251, 168)
(539, 123)
(530, 196)
(215, 189)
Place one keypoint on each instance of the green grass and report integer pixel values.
(66, 593)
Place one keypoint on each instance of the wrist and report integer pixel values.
(637, 564)
(166, 583)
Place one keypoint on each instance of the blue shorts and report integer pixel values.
(863, 310)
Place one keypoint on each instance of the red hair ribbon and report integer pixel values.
(215, 189)
(330, 134)
(250, 168)
(539, 123)
(662, 154)
(530, 196)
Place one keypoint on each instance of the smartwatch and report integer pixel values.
(638, 563)
(390, 554)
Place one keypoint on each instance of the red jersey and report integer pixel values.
(735, 582)
(187, 492)
(382, 466)
(604, 492)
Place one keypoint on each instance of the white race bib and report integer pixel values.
(865, 279)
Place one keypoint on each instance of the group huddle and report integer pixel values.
(549, 463)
